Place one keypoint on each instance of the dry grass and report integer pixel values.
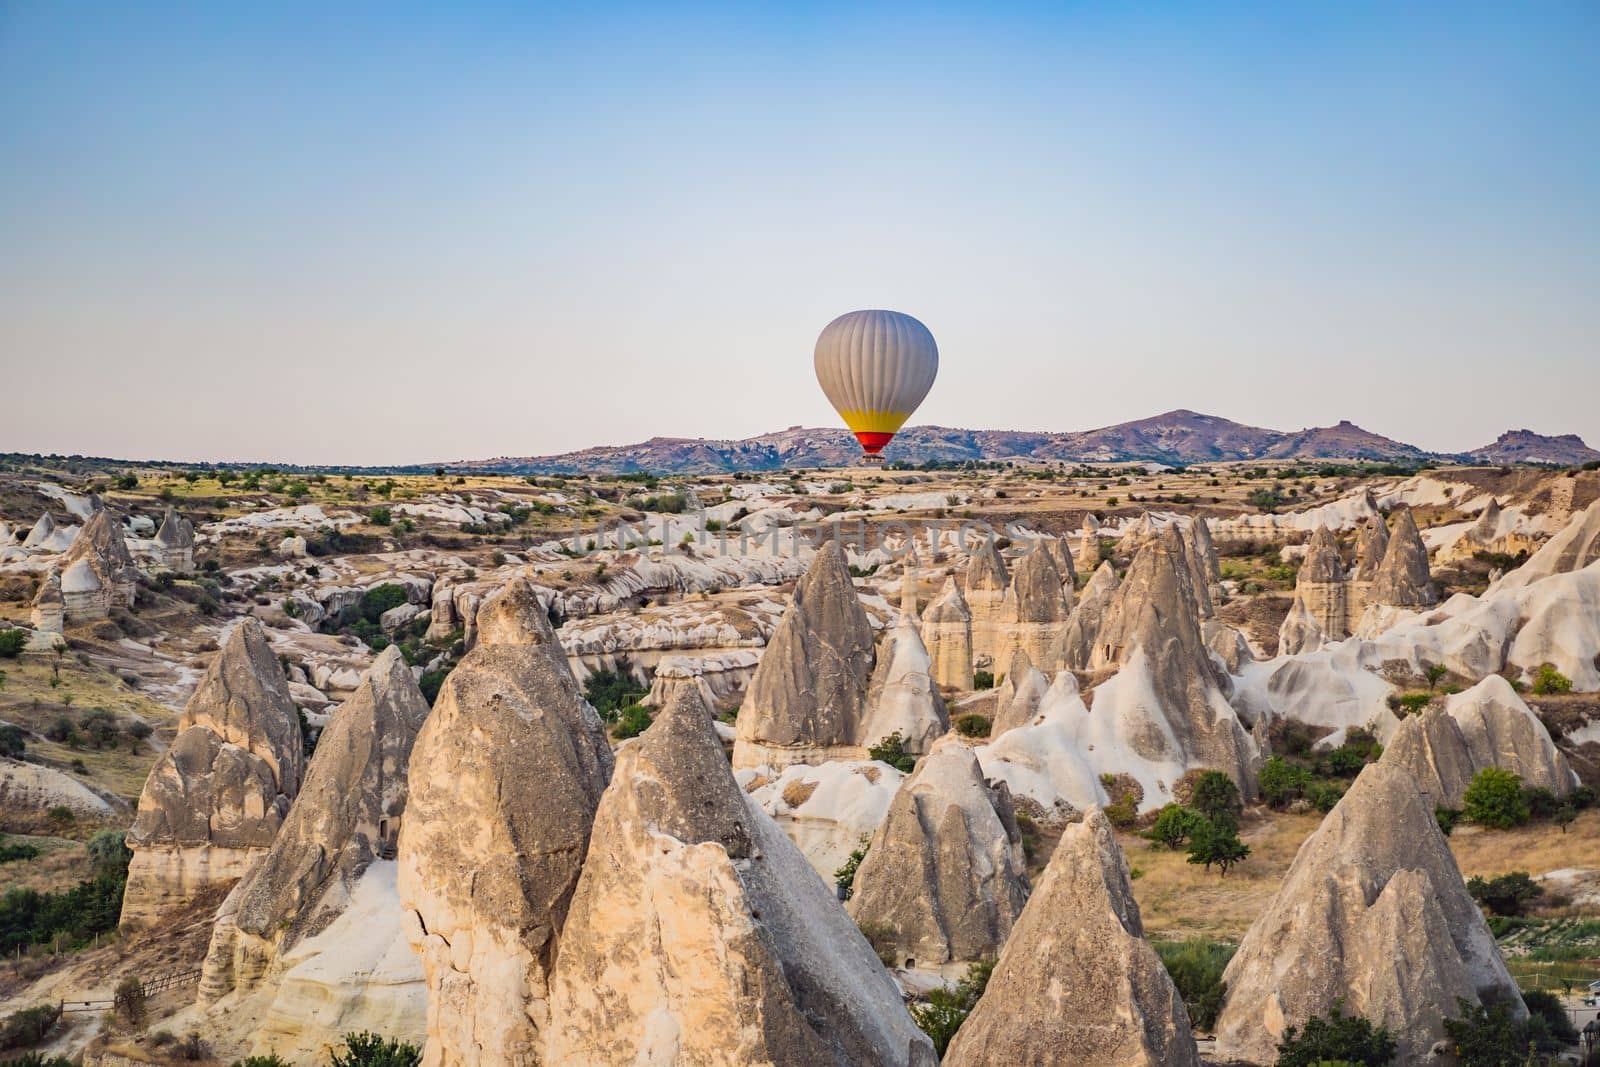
(1177, 899)
(60, 863)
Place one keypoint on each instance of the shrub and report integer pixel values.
(1216, 841)
(1215, 794)
(260, 1061)
(845, 876)
(1344, 1038)
(1509, 894)
(982, 679)
(381, 598)
(110, 853)
(429, 683)
(12, 642)
(10, 853)
(1196, 967)
(945, 1009)
(73, 916)
(612, 690)
(1282, 782)
(28, 1026)
(128, 1001)
(38, 1059)
(1173, 826)
(1491, 1035)
(1495, 799)
(1446, 818)
(632, 721)
(380, 516)
(1324, 795)
(1549, 680)
(973, 726)
(13, 742)
(892, 750)
(1542, 804)
(370, 1050)
(1547, 1006)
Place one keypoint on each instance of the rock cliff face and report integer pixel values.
(1205, 570)
(1073, 647)
(945, 872)
(1371, 547)
(1035, 607)
(986, 584)
(174, 543)
(1574, 547)
(1402, 579)
(101, 545)
(1500, 730)
(1166, 710)
(808, 698)
(346, 817)
(947, 633)
(1077, 983)
(214, 801)
(1373, 912)
(902, 697)
(49, 609)
(1321, 609)
(1088, 557)
(698, 933)
(505, 777)
(1018, 695)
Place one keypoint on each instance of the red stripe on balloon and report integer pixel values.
(872, 442)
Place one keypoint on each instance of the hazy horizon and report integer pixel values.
(394, 235)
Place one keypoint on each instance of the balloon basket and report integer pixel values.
(868, 460)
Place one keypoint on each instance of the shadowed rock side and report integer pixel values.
(1035, 608)
(1205, 570)
(347, 814)
(101, 545)
(947, 633)
(1402, 579)
(1574, 547)
(1017, 697)
(1073, 647)
(986, 582)
(808, 696)
(505, 777)
(1061, 556)
(214, 800)
(1373, 912)
(1431, 749)
(699, 934)
(945, 872)
(1077, 983)
(1168, 703)
(1371, 546)
(1321, 609)
(902, 697)
(1500, 730)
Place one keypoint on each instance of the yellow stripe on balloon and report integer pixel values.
(875, 421)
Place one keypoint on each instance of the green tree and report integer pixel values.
(1345, 1038)
(1509, 894)
(892, 750)
(13, 742)
(632, 721)
(1282, 782)
(845, 876)
(1174, 825)
(945, 1009)
(1549, 681)
(1215, 795)
(1492, 1036)
(1196, 967)
(370, 1050)
(1216, 841)
(1495, 799)
(12, 642)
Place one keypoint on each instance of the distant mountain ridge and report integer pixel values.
(1175, 438)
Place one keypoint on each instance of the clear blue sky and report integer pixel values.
(392, 234)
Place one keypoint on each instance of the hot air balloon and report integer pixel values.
(875, 367)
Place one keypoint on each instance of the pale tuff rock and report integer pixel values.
(1402, 579)
(100, 544)
(1500, 730)
(808, 698)
(215, 799)
(1227, 644)
(41, 533)
(49, 611)
(1373, 912)
(347, 816)
(1077, 983)
(986, 584)
(677, 676)
(1167, 704)
(699, 935)
(1061, 556)
(1018, 695)
(947, 633)
(908, 593)
(174, 543)
(1088, 558)
(1321, 609)
(34, 787)
(442, 619)
(829, 810)
(945, 872)
(1073, 647)
(1205, 570)
(1137, 533)
(505, 776)
(83, 594)
(902, 697)
(1055, 759)
(1371, 546)
(1429, 747)
(1573, 548)
(1035, 607)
